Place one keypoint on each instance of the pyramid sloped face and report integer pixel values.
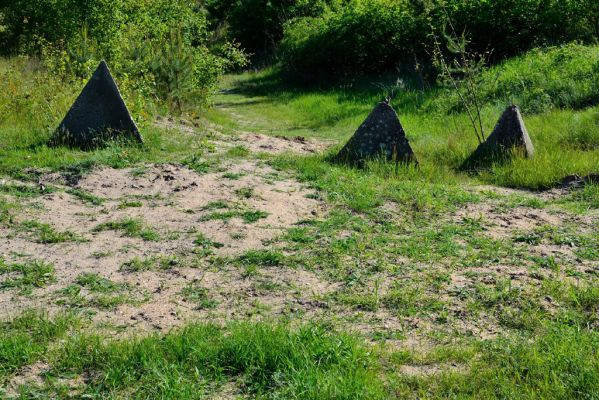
(510, 131)
(509, 134)
(381, 134)
(99, 113)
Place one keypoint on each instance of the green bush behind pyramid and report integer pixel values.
(380, 135)
(508, 138)
(98, 114)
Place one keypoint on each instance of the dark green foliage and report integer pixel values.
(371, 36)
(28, 23)
(155, 47)
(258, 24)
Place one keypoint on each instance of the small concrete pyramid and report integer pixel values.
(509, 134)
(99, 113)
(381, 134)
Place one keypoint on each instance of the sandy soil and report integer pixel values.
(172, 202)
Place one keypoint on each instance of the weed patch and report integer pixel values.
(130, 227)
(27, 276)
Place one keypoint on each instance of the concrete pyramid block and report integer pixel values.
(98, 114)
(509, 135)
(381, 134)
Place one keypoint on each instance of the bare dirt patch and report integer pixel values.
(194, 219)
(503, 223)
(257, 142)
(254, 142)
(28, 375)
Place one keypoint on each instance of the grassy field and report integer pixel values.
(566, 140)
(225, 258)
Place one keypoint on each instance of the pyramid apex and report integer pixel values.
(103, 65)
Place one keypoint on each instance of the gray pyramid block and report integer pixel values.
(381, 134)
(98, 114)
(509, 134)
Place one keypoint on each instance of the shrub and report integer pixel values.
(258, 24)
(158, 49)
(371, 36)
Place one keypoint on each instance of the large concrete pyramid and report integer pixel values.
(509, 134)
(381, 134)
(99, 113)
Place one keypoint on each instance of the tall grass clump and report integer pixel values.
(25, 339)
(266, 360)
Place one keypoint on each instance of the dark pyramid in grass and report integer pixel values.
(98, 114)
(508, 138)
(380, 135)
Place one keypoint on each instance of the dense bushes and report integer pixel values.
(377, 35)
(158, 48)
(258, 24)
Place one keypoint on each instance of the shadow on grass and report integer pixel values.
(410, 91)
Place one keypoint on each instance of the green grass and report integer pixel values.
(245, 192)
(205, 243)
(25, 339)
(131, 227)
(543, 79)
(390, 248)
(161, 263)
(267, 361)
(248, 216)
(238, 152)
(26, 276)
(33, 102)
(91, 290)
(138, 265)
(560, 363)
(45, 233)
(265, 258)
(86, 196)
(130, 204)
(215, 205)
(418, 190)
(312, 361)
(195, 293)
(24, 191)
(96, 283)
(565, 139)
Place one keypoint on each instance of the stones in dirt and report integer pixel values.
(380, 135)
(509, 138)
(98, 114)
